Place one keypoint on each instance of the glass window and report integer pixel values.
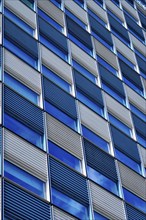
(75, 18)
(128, 161)
(95, 139)
(133, 86)
(97, 18)
(55, 112)
(110, 90)
(139, 113)
(125, 60)
(107, 65)
(23, 131)
(20, 53)
(50, 20)
(24, 179)
(141, 139)
(69, 205)
(80, 3)
(64, 156)
(91, 104)
(116, 2)
(114, 16)
(56, 79)
(57, 3)
(102, 180)
(120, 125)
(18, 21)
(97, 216)
(53, 47)
(134, 200)
(102, 40)
(99, 2)
(21, 88)
(84, 71)
(29, 3)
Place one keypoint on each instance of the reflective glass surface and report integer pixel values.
(97, 216)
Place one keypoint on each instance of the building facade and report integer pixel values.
(72, 110)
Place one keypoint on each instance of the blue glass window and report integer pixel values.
(24, 179)
(69, 205)
(114, 16)
(23, 131)
(134, 200)
(132, 86)
(128, 161)
(80, 3)
(102, 180)
(20, 53)
(141, 139)
(91, 104)
(54, 48)
(76, 19)
(50, 20)
(99, 2)
(126, 60)
(120, 125)
(107, 65)
(95, 139)
(56, 79)
(57, 3)
(102, 41)
(116, 2)
(97, 18)
(55, 112)
(20, 88)
(113, 93)
(97, 216)
(29, 3)
(84, 71)
(18, 21)
(64, 156)
(139, 113)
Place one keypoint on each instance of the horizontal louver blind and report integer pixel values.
(21, 39)
(117, 27)
(100, 30)
(19, 204)
(78, 32)
(111, 80)
(87, 87)
(100, 161)
(59, 98)
(53, 35)
(134, 27)
(61, 215)
(130, 74)
(23, 110)
(71, 183)
(25, 155)
(134, 214)
(139, 124)
(125, 144)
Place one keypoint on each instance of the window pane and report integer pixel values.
(134, 200)
(69, 205)
(23, 131)
(20, 88)
(76, 19)
(139, 113)
(97, 216)
(95, 139)
(128, 161)
(60, 115)
(64, 156)
(107, 65)
(24, 179)
(102, 180)
(29, 3)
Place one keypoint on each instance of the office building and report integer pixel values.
(72, 110)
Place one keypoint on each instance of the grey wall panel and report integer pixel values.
(116, 10)
(52, 11)
(64, 136)
(143, 154)
(83, 58)
(106, 203)
(25, 155)
(94, 122)
(132, 11)
(118, 110)
(22, 71)
(76, 10)
(18, 8)
(132, 181)
(61, 215)
(106, 54)
(56, 64)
